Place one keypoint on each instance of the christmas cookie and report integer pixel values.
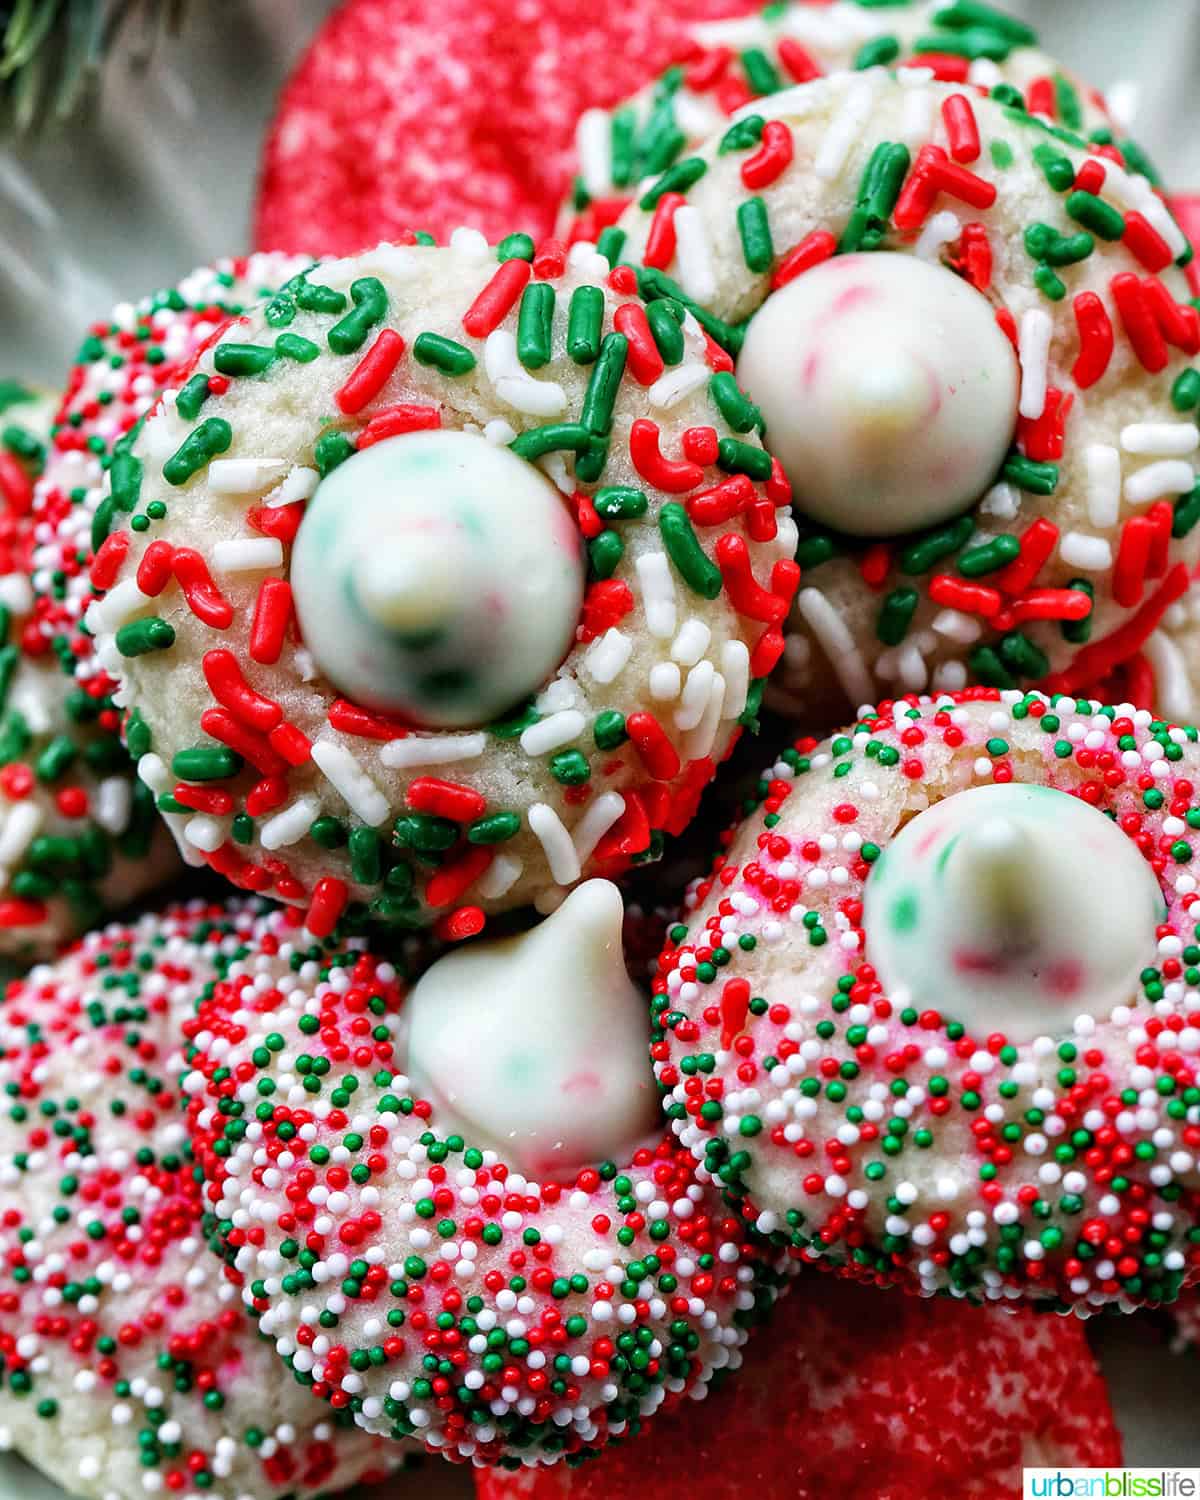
(127, 1365)
(446, 578)
(454, 1212)
(390, 121)
(863, 1396)
(971, 349)
(733, 62)
(935, 1015)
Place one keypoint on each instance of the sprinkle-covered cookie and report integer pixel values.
(934, 1017)
(127, 1365)
(447, 577)
(732, 63)
(458, 1220)
(945, 537)
(860, 1395)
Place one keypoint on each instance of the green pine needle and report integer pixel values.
(52, 51)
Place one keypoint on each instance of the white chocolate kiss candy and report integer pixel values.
(537, 1046)
(888, 391)
(438, 577)
(1012, 909)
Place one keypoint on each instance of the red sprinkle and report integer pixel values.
(155, 568)
(798, 61)
(497, 299)
(445, 799)
(644, 361)
(107, 563)
(811, 251)
(351, 719)
(1144, 241)
(748, 597)
(232, 691)
(393, 420)
(660, 238)
(205, 799)
(1102, 657)
(371, 373)
(292, 743)
(675, 478)
(1095, 339)
(204, 598)
(1044, 438)
(957, 593)
(1037, 543)
(772, 158)
(650, 741)
(452, 881)
(962, 129)
(328, 902)
(247, 743)
(721, 503)
(1139, 321)
(272, 615)
(16, 487)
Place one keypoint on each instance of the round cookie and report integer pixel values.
(846, 1381)
(390, 123)
(934, 1020)
(733, 62)
(127, 1366)
(334, 464)
(1058, 565)
(371, 1173)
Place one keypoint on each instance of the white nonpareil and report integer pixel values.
(537, 1046)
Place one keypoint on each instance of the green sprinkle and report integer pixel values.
(1050, 283)
(895, 615)
(1057, 168)
(535, 321)
(623, 136)
(878, 189)
(922, 554)
(989, 556)
(964, 14)
(731, 401)
(555, 437)
(366, 856)
(761, 73)
(742, 135)
(603, 384)
(370, 307)
(736, 457)
(1066, 98)
(1094, 214)
(877, 53)
(517, 246)
(313, 297)
(664, 318)
(755, 232)
(608, 730)
(1185, 393)
(692, 563)
(605, 553)
(620, 503)
(444, 354)
(495, 828)
(242, 359)
(1027, 474)
(570, 768)
(200, 446)
(1022, 656)
(292, 346)
(192, 397)
(1187, 513)
(1001, 153)
(972, 42)
(140, 637)
(989, 669)
(331, 449)
(610, 243)
(677, 179)
(1079, 631)
(56, 758)
(205, 763)
(585, 321)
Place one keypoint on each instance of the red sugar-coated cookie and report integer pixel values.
(428, 114)
(853, 1392)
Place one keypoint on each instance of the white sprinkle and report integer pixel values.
(1172, 685)
(397, 261)
(956, 626)
(916, 124)
(205, 832)
(1135, 192)
(300, 484)
(835, 639)
(16, 593)
(440, 750)
(248, 554)
(700, 741)
(845, 128)
(1103, 466)
(533, 398)
(735, 668)
(290, 825)
(691, 643)
(595, 823)
(470, 244)
(18, 830)
(696, 690)
(607, 656)
(593, 147)
(658, 593)
(1170, 476)
(1037, 329)
(665, 681)
(1001, 502)
(112, 804)
(1091, 553)
(556, 843)
(942, 229)
(693, 255)
(1161, 439)
(360, 793)
(549, 734)
(117, 608)
(244, 476)
(499, 877)
(499, 432)
(676, 385)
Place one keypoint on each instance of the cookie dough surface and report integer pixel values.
(129, 1366)
(298, 787)
(994, 1159)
